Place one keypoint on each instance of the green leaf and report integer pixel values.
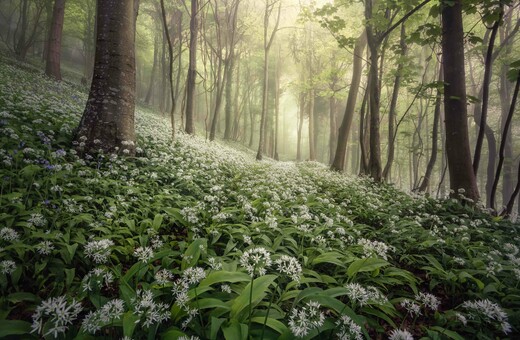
(157, 221)
(207, 303)
(332, 257)
(216, 323)
(129, 323)
(192, 254)
(235, 331)
(22, 296)
(260, 289)
(271, 323)
(450, 334)
(224, 276)
(365, 265)
(172, 333)
(14, 327)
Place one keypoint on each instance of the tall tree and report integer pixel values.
(170, 64)
(268, 41)
(53, 62)
(457, 138)
(108, 120)
(192, 67)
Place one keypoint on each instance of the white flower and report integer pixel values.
(290, 266)
(144, 254)
(461, 318)
(398, 334)
(303, 320)
(7, 267)
(163, 276)
(411, 307)
(9, 234)
(45, 247)
(149, 310)
(37, 220)
(214, 264)
(96, 278)
(348, 329)
(225, 288)
(99, 250)
(56, 314)
(193, 275)
(488, 311)
(429, 300)
(364, 295)
(256, 260)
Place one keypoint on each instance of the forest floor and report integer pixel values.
(197, 239)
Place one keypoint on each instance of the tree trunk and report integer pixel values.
(333, 128)
(339, 158)
(457, 138)
(393, 104)
(108, 120)
(170, 67)
(505, 133)
(228, 110)
(435, 134)
(485, 92)
(301, 110)
(192, 68)
(149, 93)
(374, 162)
(52, 68)
(312, 135)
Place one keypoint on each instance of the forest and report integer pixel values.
(259, 169)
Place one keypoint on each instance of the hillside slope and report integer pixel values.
(193, 238)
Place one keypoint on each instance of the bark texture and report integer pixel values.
(108, 119)
(53, 62)
(458, 150)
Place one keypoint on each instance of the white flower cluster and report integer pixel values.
(144, 254)
(430, 301)
(398, 334)
(96, 278)
(37, 220)
(163, 276)
(45, 247)
(9, 234)
(303, 320)
(7, 267)
(149, 311)
(489, 311)
(99, 251)
(411, 307)
(365, 295)
(348, 329)
(56, 314)
(256, 261)
(113, 310)
(289, 266)
(371, 248)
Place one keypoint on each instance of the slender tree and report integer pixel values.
(108, 120)
(192, 67)
(268, 41)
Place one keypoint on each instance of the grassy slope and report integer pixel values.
(221, 202)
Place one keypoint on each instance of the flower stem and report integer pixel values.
(266, 316)
(250, 305)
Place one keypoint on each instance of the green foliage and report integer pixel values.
(158, 246)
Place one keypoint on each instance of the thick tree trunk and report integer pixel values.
(108, 120)
(52, 67)
(339, 158)
(192, 68)
(458, 151)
